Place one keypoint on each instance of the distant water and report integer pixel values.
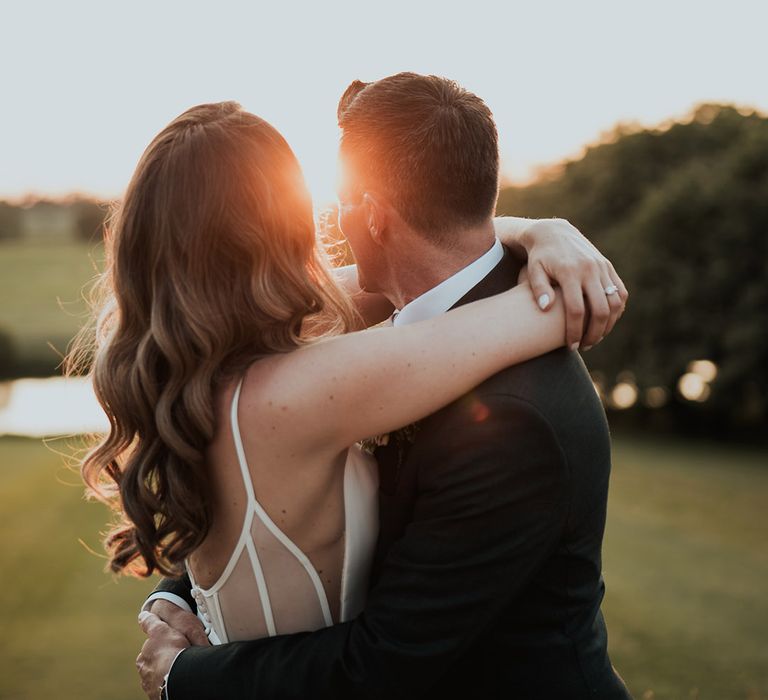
(49, 407)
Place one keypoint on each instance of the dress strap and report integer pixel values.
(246, 473)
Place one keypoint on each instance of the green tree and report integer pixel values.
(683, 213)
(7, 354)
(89, 220)
(10, 222)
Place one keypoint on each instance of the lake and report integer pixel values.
(48, 407)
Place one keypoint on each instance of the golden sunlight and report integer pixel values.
(316, 150)
(706, 369)
(624, 395)
(321, 182)
(693, 387)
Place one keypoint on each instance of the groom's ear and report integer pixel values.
(375, 216)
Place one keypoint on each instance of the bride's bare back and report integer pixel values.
(274, 559)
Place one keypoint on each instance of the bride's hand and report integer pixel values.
(559, 255)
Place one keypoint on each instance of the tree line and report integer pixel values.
(682, 210)
(75, 218)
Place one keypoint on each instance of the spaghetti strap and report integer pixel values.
(235, 426)
(286, 541)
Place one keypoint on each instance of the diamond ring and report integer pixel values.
(611, 289)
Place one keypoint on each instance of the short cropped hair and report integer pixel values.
(428, 143)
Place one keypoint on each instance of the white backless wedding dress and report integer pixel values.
(269, 585)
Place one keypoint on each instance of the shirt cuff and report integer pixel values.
(167, 694)
(170, 597)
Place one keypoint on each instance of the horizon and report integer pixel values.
(536, 171)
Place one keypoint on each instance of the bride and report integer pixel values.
(238, 379)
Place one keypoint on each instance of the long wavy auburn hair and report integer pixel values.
(211, 261)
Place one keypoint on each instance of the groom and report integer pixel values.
(487, 578)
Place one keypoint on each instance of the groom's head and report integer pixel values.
(419, 157)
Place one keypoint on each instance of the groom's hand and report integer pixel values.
(157, 655)
(182, 621)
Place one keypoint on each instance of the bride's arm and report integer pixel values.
(557, 255)
(347, 388)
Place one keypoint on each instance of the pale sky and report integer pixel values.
(87, 84)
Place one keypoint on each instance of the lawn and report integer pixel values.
(68, 628)
(685, 562)
(41, 286)
(686, 570)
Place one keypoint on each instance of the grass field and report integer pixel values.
(686, 567)
(41, 286)
(68, 629)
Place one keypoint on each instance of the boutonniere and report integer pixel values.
(401, 438)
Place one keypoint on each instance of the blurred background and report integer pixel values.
(645, 124)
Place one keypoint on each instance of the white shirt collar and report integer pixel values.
(442, 297)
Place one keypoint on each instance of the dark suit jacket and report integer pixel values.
(487, 580)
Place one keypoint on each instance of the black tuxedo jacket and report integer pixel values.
(487, 578)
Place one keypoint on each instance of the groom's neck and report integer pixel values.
(423, 261)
